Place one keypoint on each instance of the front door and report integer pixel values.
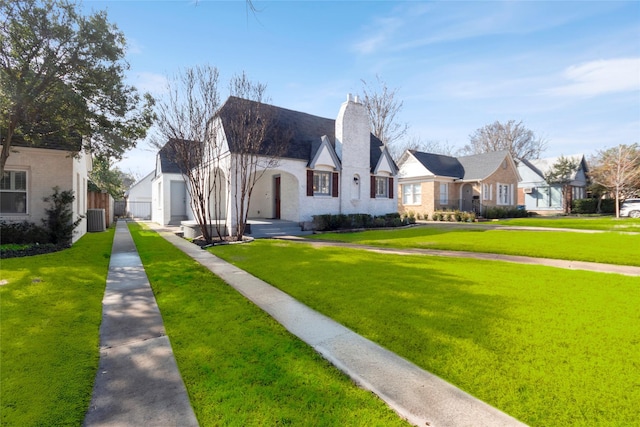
(178, 199)
(276, 191)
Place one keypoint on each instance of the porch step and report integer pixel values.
(266, 229)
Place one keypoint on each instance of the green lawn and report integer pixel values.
(548, 346)
(611, 248)
(51, 310)
(608, 223)
(242, 368)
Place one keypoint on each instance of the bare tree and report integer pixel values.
(184, 121)
(383, 106)
(618, 170)
(522, 143)
(255, 141)
(562, 173)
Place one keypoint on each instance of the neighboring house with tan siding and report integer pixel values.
(430, 182)
(30, 175)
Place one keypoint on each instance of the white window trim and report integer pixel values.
(385, 194)
(13, 190)
(412, 197)
(329, 177)
(444, 195)
(504, 193)
(487, 192)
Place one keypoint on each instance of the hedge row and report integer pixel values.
(329, 222)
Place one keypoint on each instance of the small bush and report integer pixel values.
(328, 222)
(23, 233)
(60, 217)
(495, 212)
(584, 206)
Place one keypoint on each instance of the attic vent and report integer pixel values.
(95, 220)
(527, 190)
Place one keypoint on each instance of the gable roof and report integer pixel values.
(439, 164)
(167, 157)
(480, 166)
(543, 166)
(466, 168)
(303, 131)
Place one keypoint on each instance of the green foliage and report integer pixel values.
(241, 367)
(329, 222)
(63, 77)
(59, 219)
(454, 216)
(22, 233)
(49, 335)
(113, 181)
(495, 212)
(549, 346)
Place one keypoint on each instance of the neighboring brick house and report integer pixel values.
(30, 175)
(430, 182)
(543, 198)
(329, 167)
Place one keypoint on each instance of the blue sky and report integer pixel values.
(570, 70)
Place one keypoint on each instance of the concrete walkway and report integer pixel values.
(138, 382)
(419, 396)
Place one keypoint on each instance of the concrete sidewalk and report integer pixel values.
(138, 382)
(420, 397)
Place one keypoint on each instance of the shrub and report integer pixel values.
(584, 206)
(22, 233)
(328, 222)
(495, 212)
(59, 219)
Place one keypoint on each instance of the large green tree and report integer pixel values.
(62, 79)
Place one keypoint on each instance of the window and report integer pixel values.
(321, 183)
(444, 193)
(412, 194)
(504, 194)
(486, 192)
(13, 192)
(382, 186)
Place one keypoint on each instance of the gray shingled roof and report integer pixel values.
(480, 166)
(304, 131)
(167, 157)
(475, 167)
(49, 143)
(439, 164)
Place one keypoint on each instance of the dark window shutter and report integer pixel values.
(373, 186)
(309, 183)
(391, 188)
(334, 186)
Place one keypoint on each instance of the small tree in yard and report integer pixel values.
(562, 173)
(185, 124)
(59, 219)
(618, 170)
(255, 141)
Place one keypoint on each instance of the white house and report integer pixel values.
(329, 167)
(169, 203)
(139, 197)
(30, 175)
(543, 198)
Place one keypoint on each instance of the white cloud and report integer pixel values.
(599, 77)
(150, 82)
